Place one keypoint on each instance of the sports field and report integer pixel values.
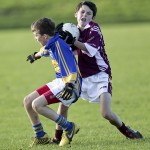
(127, 46)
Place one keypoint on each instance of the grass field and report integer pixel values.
(127, 47)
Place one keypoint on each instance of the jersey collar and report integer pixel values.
(51, 41)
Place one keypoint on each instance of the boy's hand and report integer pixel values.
(65, 35)
(67, 91)
(31, 58)
(59, 27)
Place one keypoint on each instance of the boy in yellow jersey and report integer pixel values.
(64, 89)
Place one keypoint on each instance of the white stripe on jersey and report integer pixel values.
(95, 28)
(96, 53)
(100, 62)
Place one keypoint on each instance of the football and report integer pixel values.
(72, 28)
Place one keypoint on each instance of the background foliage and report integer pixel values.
(20, 13)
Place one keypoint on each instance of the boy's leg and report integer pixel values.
(105, 101)
(69, 131)
(62, 110)
(105, 104)
(40, 106)
(33, 116)
(40, 136)
(28, 102)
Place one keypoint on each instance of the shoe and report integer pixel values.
(68, 135)
(132, 134)
(54, 141)
(40, 141)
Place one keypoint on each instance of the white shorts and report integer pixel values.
(57, 85)
(94, 86)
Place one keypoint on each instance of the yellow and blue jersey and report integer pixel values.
(63, 59)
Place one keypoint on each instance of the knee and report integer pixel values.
(106, 115)
(27, 102)
(35, 106)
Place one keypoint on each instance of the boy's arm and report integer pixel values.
(80, 45)
(31, 58)
(37, 55)
(68, 38)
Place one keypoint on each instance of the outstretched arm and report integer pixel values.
(37, 55)
(31, 58)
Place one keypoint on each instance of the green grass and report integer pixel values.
(127, 46)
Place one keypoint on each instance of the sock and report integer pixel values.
(123, 128)
(38, 130)
(66, 125)
(58, 134)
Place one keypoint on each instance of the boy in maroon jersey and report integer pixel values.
(94, 67)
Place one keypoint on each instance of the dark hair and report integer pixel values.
(43, 26)
(91, 5)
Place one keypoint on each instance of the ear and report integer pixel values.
(75, 15)
(45, 36)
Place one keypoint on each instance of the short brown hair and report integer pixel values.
(44, 26)
(90, 4)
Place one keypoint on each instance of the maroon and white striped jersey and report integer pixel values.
(96, 60)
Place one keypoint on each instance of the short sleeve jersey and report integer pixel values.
(96, 60)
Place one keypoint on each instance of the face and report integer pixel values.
(42, 39)
(84, 16)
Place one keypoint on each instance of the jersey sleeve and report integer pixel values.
(95, 41)
(44, 52)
